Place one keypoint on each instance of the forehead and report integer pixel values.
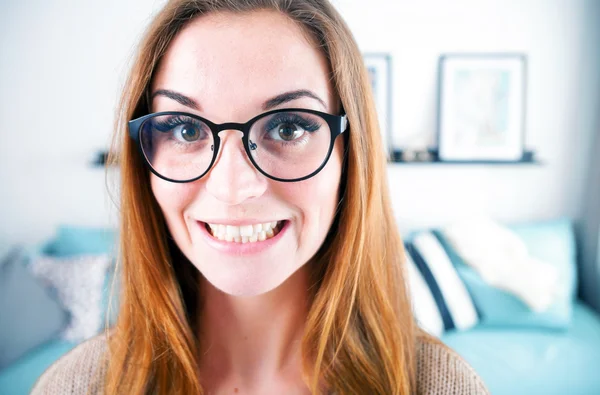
(231, 63)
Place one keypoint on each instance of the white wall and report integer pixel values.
(62, 63)
(560, 39)
(61, 66)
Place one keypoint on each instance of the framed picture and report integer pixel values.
(379, 67)
(481, 107)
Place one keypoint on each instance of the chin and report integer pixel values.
(245, 283)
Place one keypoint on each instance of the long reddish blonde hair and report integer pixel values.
(360, 332)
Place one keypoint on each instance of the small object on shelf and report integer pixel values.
(408, 156)
(100, 158)
(419, 155)
(528, 156)
(424, 156)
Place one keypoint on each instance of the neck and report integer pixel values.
(249, 337)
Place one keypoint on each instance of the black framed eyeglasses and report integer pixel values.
(285, 145)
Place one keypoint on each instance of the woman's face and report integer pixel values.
(226, 68)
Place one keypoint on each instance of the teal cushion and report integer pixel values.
(77, 240)
(18, 378)
(554, 243)
(525, 361)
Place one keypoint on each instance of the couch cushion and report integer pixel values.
(30, 316)
(18, 378)
(528, 361)
(440, 299)
(80, 240)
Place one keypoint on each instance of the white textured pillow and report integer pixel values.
(501, 258)
(79, 283)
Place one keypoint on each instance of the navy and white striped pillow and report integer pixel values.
(440, 299)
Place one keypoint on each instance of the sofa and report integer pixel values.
(36, 327)
(520, 361)
(513, 349)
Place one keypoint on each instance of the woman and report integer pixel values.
(258, 248)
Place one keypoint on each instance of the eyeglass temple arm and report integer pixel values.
(343, 123)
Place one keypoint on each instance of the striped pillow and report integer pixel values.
(440, 299)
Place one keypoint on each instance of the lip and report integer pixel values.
(233, 248)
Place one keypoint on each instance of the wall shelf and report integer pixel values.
(396, 158)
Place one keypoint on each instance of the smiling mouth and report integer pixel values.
(245, 234)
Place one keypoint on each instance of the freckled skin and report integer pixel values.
(247, 60)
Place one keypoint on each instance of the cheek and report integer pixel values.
(172, 197)
(317, 199)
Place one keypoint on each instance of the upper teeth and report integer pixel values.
(250, 231)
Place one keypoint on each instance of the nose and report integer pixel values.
(233, 178)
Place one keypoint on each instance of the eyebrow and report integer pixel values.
(178, 97)
(289, 96)
(269, 104)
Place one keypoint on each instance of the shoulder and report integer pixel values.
(80, 371)
(441, 371)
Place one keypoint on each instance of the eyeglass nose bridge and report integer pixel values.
(241, 127)
(230, 126)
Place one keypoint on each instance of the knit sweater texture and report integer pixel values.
(440, 371)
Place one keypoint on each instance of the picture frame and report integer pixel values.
(481, 107)
(379, 68)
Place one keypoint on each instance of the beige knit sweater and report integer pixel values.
(440, 371)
